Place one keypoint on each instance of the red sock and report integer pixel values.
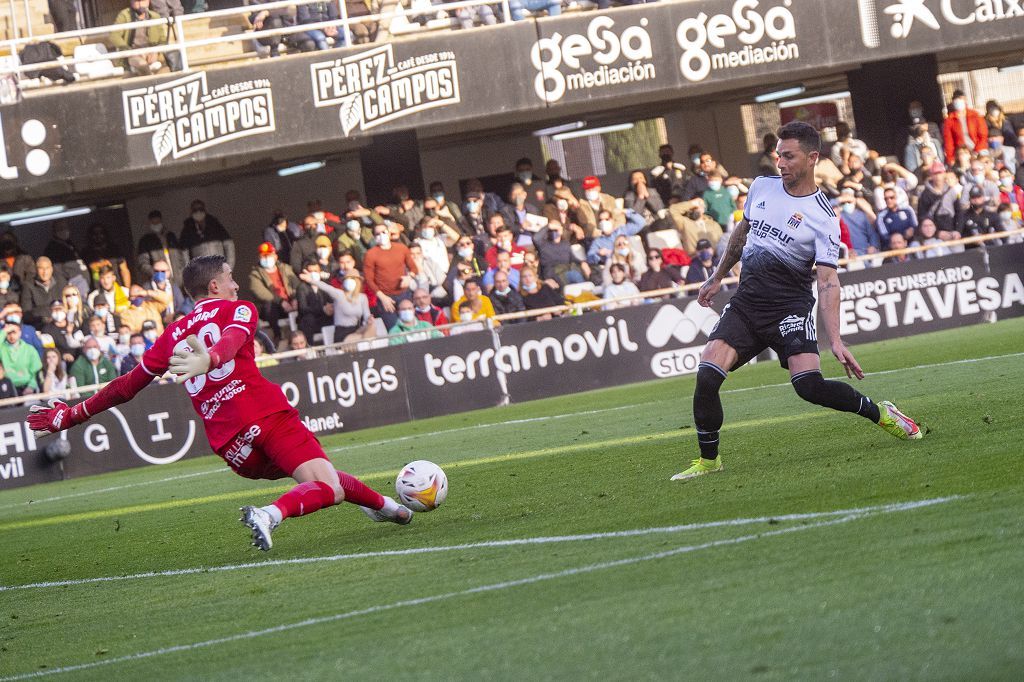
(305, 498)
(359, 493)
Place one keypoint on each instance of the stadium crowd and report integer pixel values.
(81, 314)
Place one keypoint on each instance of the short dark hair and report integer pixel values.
(155, 214)
(198, 273)
(472, 280)
(525, 161)
(804, 133)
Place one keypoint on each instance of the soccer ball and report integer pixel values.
(421, 486)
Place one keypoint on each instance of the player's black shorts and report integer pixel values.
(750, 332)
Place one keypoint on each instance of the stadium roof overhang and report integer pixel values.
(633, 62)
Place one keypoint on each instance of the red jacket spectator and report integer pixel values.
(385, 268)
(518, 257)
(953, 133)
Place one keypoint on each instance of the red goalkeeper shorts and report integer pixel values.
(272, 447)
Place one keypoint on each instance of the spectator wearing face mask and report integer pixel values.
(444, 207)
(202, 234)
(136, 348)
(325, 254)
(693, 224)
(389, 270)
(91, 367)
(703, 264)
(431, 241)
(594, 201)
(718, 201)
(520, 213)
(553, 179)
(161, 281)
(66, 338)
(273, 285)
(503, 264)
(564, 207)
(557, 260)
(525, 176)
(8, 293)
(963, 127)
(19, 358)
(504, 295)
(159, 243)
(895, 218)
(304, 248)
(920, 148)
(603, 245)
(426, 310)
(937, 200)
(350, 309)
(505, 242)
(978, 219)
(1010, 193)
(856, 213)
(52, 376)
(405, 322)
(537, 294)
(37, 295)
(978, 177)
(147, 305)
(623, 254)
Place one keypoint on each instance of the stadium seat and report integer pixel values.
(664, 239)
(101, 68)
(327, 332)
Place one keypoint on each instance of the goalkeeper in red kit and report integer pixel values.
(248, 421)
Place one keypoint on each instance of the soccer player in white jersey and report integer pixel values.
(789, 236)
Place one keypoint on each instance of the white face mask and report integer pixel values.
(383, 240)
(138, 349)
(268, 262)
(959, 105)
(622, 251)
(315, 276)
(606, 226)
(502, 292)
(92, 354)
(465, 252)
(427, 232)
(60, 316)
(562, 204)
(198, 216)
(529, 286)
(472, 206)
(5, 284)
(349, 285)
(715, 185)
(123, 339)
(406, 315)
(323, 253)
(149, 335)
(156, 227)
(734, 191)
(592, 195)
(1005, 216)
(353, 226)
(101, 313)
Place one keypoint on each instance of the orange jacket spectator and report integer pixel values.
(953, 133)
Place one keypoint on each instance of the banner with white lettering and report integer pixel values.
(1006, 271)
(914, 297)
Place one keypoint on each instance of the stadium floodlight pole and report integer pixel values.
(179, 32)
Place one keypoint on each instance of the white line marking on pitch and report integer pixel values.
(510, 422)
(114, 488)
(493, 587)
(886, 508)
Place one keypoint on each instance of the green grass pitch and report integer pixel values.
(721, 581)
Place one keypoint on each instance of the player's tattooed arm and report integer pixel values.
(734, 251)
(828, 315)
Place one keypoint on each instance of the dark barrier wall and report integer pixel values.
(516, 362)
(656, 51)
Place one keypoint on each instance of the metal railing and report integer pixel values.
(340, 348)
(180, 44)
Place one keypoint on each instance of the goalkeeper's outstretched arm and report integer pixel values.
(58, 416)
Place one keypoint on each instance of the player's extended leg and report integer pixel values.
(805, 374)
(318, 487)
(717, 358)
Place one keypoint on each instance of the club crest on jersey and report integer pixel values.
(795, 220)
(242, 314)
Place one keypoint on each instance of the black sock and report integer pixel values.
(813, 388)
(707, 408)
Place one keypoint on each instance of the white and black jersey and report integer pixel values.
(788, 236)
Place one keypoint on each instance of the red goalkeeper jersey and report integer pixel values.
(231, 397)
